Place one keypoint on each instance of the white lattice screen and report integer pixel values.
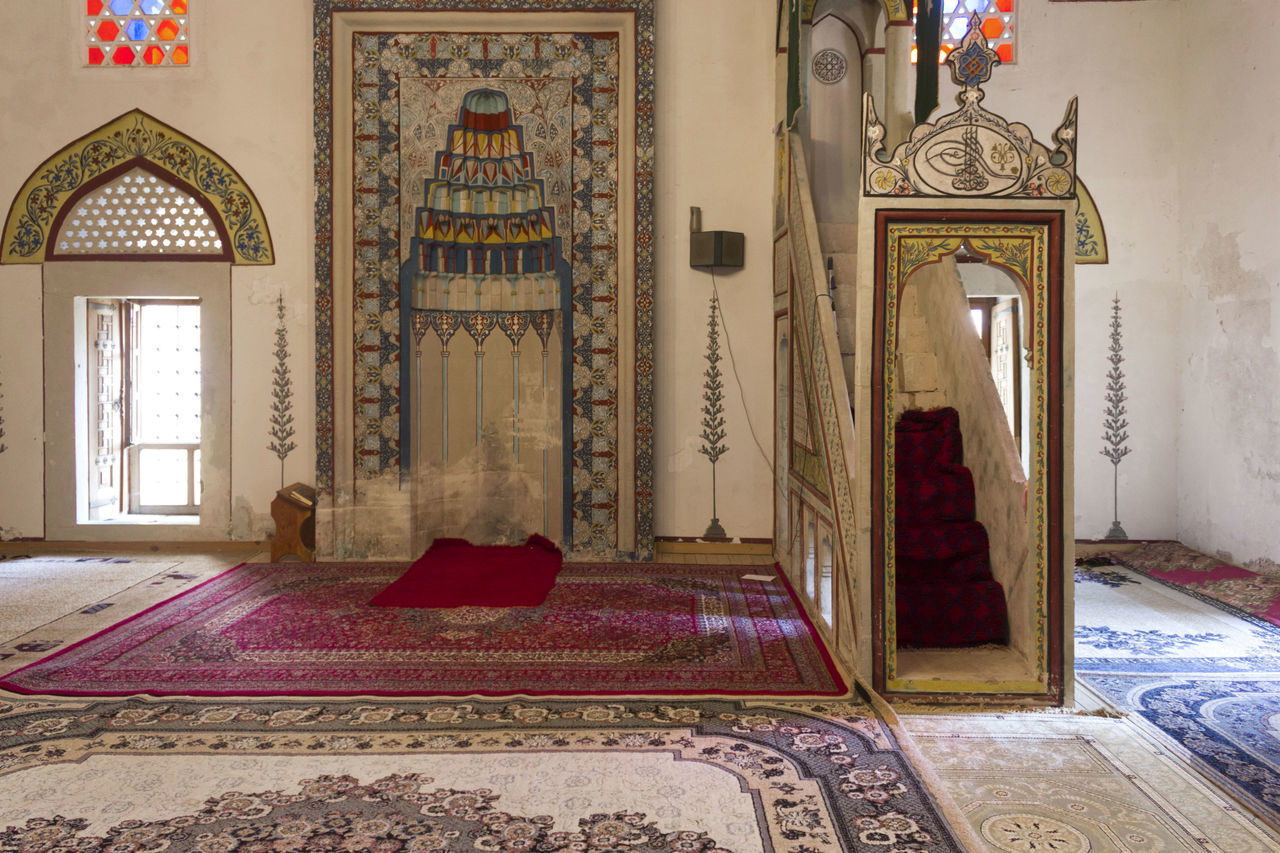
(138, 214)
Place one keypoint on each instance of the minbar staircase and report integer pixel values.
(946, 595)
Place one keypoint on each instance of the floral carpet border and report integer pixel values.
(1215, 708)
(872, 795)
(1230, 740)
(1209, 579)
(748, 638)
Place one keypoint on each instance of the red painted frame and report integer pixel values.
(1054, 497)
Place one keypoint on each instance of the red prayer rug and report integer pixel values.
(455, 573)
(308, 629)
(1209, 577)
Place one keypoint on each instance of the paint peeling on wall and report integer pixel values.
(1230, 436)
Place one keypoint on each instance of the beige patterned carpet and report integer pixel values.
(1069, 784)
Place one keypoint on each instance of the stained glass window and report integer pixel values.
(998, 25)
(136, 32)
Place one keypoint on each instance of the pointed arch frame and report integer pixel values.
(895, 10)
(1031, 245)
(137, 139)
(136, 164)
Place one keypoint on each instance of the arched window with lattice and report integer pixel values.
(137, 227)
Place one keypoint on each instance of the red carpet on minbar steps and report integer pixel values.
(455, 573)
(946, 594)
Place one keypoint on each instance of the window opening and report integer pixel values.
(999, 21)
(163, 406)
(796, 541)
(996, 321)
(810, 568)
(137, 213)
(826, 583)
(136, 32)
(980, 308)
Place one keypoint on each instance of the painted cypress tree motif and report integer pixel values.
(1, 423)
(713, 433)
(281, 395)
(1114, 424)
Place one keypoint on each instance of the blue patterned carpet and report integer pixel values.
(1201, 672)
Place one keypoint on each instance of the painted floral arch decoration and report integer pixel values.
(134, 136)
(895, 10)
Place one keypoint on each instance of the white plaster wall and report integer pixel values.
(715, 151)
(1229, 335)
(1120, 59)
(833, 120)
(247, 96)
(1181, 157)
(21, 381)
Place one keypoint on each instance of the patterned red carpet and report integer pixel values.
(1206, 577)
(308, 629)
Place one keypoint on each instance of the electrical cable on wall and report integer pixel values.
(742, 395)
(728, 341)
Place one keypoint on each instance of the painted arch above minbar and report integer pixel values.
(895, 10)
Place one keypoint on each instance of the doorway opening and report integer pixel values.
(142, 409)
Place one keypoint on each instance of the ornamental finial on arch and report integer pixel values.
(970, 153)
(972, 62)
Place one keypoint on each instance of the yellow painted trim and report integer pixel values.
(1091, 235)
(929, 685)
(1023, 249)
(894, 10)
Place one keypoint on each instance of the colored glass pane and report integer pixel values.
(998, 20)
(141, 22)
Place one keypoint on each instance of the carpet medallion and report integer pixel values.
(307, 629)
(345, 774)
(1200, 671)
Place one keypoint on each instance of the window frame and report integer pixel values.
(67, 286)
(133, 446)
